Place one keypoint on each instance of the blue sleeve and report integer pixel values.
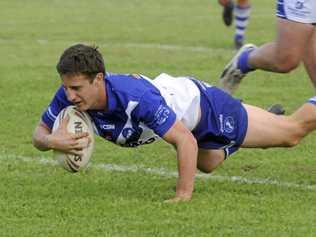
(153, 111)
(57, 104)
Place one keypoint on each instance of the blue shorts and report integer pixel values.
(224, 121)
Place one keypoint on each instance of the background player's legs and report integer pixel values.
(242, 14)
(208, 160)
(310, 57)
(224, 2)
(269, 130)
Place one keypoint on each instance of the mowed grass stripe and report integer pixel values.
(164, 172)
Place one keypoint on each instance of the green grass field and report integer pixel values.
(122, 192)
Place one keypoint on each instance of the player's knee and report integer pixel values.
(210, 160)
(294, 138)
(207, 166)
(206, 169)
(243, 3)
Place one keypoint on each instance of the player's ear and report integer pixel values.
(99, 77)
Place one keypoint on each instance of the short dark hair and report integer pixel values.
(81, 59)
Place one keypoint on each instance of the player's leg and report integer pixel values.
(285, 53)
(242, 14)
(243, 3)
(282, 56)
(310, 58)
(208, 160)
(224, 2)
(269, 130)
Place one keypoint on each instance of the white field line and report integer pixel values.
(169, 47)
(163, 172)
(166, 47)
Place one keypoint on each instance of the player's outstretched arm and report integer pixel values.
(44, 139)
(187, 150)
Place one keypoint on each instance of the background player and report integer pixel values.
(295, 42)
(241, 12)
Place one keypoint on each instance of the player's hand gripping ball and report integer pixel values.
(79, 122)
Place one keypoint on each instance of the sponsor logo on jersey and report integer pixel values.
(108, 126)
(161, 115)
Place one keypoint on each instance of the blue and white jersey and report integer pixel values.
(139, 110)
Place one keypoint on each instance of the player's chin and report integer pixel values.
(81, 107)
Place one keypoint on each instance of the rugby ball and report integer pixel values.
(78, 122)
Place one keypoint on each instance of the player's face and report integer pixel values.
(82, 92)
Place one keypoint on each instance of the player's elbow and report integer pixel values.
(38, 139)
(193, 141)
(37, 142)
(188, 143)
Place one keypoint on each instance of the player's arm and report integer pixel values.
(44, 139)
(187, 150)
(41, 137)
(157, 115)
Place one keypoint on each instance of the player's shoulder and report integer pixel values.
(127, 78)
(134, 85)
(61, 96)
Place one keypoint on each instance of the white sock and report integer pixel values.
(241, 21)
(312, 100)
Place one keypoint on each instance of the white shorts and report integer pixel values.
(303, 11)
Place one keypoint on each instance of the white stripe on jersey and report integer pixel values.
(50, 113)
(130, 107)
